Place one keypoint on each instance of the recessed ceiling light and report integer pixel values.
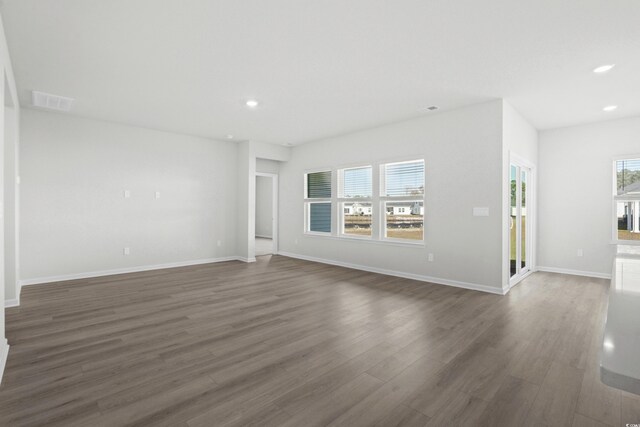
(252, 103)
(603, 68)
(229, 136)
(609, 108)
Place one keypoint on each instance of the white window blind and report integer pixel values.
(356, 182)
(404, 179)
(320, 217)
(319, 185)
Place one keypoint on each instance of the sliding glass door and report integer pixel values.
(519, 225)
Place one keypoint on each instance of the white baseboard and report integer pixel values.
(12, 302)
(4, 353)
(244, 259)
(88, 275)
(575, 272)
(436, 280)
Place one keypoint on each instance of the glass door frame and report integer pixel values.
(521, 166)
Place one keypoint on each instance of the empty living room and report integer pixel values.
(329, 213)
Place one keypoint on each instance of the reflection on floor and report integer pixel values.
(264, 246)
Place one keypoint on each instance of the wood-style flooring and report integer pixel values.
(284, 342)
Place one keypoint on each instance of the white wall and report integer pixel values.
(74, 218)
(4, 345)
(463, 157)
(10, 206)
(245, 207)
(248, 154)
(267, 166)
(9, 97)
(575, 193)
(519, 138)
(270, 152)
(264, 206)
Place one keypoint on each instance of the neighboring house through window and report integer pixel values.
(627, 200)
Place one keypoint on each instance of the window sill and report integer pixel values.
(348, 237)
(625, 242)
(420, 244)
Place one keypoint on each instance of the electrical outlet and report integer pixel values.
(126, 251)
(219, 243)
(295, 241)
(430, 258)
(580, 252)
(127, 194)
(157, 194)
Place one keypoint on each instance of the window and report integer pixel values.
(357, 221)
(318, 185)
(356, 183)
(390, 211)
(627, 200)
(403, 179)
(320, 217)
(318, 202)
(402, 186)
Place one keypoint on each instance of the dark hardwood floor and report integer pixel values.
(284, 342)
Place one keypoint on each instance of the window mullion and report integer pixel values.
(335, 227)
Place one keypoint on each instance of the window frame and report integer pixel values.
(621, 199)
(377, 201)
(308, 201)
(341, 200)
(384, 199)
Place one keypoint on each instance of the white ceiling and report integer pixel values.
(322, 68)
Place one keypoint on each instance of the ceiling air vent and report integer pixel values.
(51, 102)
(432, 108)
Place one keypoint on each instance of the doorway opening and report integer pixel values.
(266, 229)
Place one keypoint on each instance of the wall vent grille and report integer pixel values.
(51, 102)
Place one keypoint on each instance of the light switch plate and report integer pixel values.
(481, 211)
